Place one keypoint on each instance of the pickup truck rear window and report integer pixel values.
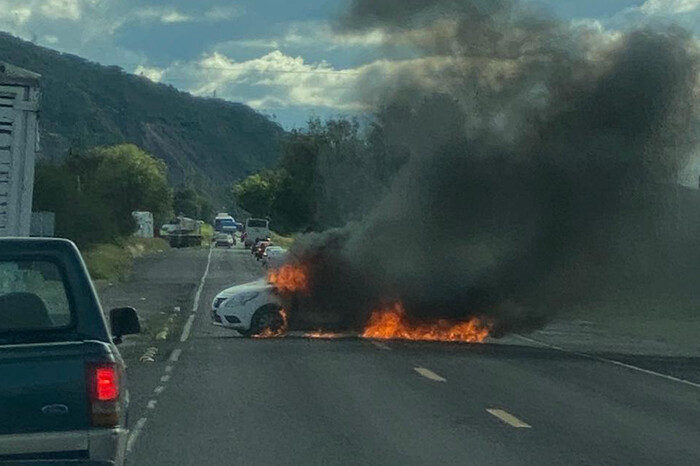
(33, 297)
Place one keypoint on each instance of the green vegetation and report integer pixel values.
(191, 203)
(328, 174)
(207, 233)
(108, 262)
(206, 143)
(94, 192)
(284, 241)
(114, 261)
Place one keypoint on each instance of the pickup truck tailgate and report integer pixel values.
(43, 387)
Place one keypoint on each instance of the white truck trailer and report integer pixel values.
(19, 142)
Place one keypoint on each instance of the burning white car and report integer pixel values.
(251, 309)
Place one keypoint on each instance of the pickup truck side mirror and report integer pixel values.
(124, 321)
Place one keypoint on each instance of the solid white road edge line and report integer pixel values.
(135, 433)
(195, 305)
(508, 418)
(428, 374)
(612, 361)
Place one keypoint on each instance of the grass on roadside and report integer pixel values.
(284, 241)
(114, 261)
(207, 233)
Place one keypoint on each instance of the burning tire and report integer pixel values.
(268, 321)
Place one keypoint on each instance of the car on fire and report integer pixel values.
(250, 309)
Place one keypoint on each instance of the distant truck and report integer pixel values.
(224, 223)
(256, 229)
(19, 141)
(185, 232)
(63, 392)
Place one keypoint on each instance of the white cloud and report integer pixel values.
(276, 80)
(62, 9)
(223, 13)
(682, 12)
(163, 15)
(51, 40)
(316, 34)
(172, 16)
(17, 13)
(152, 73)
(669, 7)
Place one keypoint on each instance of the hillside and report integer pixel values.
(207, 142)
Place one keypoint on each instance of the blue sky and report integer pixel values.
(282, 57)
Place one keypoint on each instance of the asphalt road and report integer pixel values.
(217, 399)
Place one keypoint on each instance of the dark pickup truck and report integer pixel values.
(62, 380)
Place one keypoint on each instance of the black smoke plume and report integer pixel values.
(532, 145)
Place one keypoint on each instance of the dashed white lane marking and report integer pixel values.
(135, 432)
(428, 374)
(614, 362)
(509, 418)
(175, 356)
(159, 389)
(168, 369)
(380, 345)
(165, 378)
(195, 305)
(152, 404)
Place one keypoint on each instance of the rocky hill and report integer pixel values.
(206, 142)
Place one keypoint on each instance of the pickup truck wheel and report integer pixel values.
(268, 317)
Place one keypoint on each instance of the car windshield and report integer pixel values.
(33, 297)
(257, 224)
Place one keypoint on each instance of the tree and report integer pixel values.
(191, 203)
(93, 193)
(257, 193)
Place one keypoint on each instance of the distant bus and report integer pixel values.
(256, 228)
(224, 223)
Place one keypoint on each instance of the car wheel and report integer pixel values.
(268, 317)
(245, 333)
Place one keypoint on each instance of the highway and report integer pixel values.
(210, 397)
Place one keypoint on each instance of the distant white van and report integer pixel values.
(256, 228)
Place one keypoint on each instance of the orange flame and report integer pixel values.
(322, 334)
(290, 278)
(391, 323)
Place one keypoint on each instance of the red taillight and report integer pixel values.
(103, 389)
(106, 384)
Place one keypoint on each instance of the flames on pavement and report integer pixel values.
(391, 323)
(290, 278)
(323, 334)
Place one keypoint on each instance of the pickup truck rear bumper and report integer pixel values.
(100, 445)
